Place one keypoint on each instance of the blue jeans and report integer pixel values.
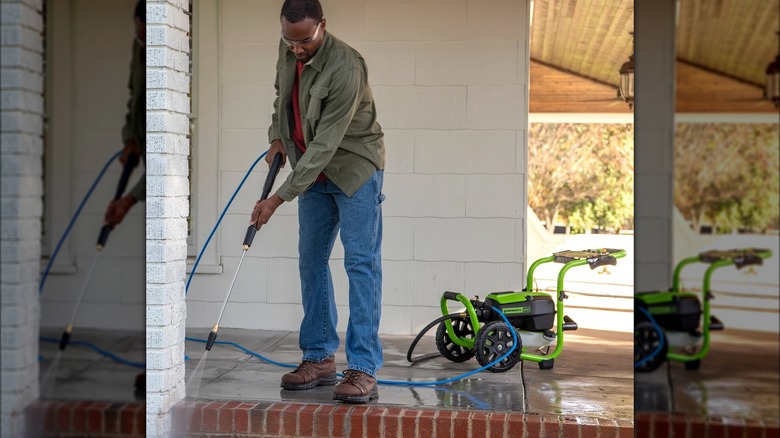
(322, 211)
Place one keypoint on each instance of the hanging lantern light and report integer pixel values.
(626, 90)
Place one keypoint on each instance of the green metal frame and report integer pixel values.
(469, 343)
(706, 294)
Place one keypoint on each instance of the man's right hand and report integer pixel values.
(131, 147)
(276, 147)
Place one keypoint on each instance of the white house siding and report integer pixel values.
(21, 150)
(89, 46)
(654, 144)
(450, 83)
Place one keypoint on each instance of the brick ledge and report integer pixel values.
(204, 418)
(68, 418)
(662, 424)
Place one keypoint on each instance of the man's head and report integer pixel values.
(139, 18)
(303, 27)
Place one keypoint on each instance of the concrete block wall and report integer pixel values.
(89, 48)
(450, 83)
(21, 120)
(167, 207)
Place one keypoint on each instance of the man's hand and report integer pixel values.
(117, 210)
(276, 147)
(131, 147)
(264, 210)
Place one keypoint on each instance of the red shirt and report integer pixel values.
(297, 134)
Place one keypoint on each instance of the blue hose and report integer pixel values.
(655, 352)
(219, 221)
(46, 271)
(381, 381)
(73, 221)
(99, 350)
(265, 359)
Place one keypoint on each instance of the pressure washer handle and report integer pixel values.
(127, 169)
(103, 236)
(276, 164)
(451, 296)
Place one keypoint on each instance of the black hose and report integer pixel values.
(423, 332)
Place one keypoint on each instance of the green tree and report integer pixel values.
(727, 174)
(581, 173)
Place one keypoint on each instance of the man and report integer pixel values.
(325, 122)
(134, 130)
(134, 138)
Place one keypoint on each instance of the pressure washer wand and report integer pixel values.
(127, 169)
(248, 238)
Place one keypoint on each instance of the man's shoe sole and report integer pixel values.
(325, 381)
(357, 399)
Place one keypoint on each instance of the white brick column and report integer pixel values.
(22, 188)
(167, 207)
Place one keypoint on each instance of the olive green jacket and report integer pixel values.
(135, 119)
(343, 139)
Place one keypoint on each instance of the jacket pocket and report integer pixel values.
(317, 95)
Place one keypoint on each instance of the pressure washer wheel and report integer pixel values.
(493, 341)
(646, 341)
(447, 347)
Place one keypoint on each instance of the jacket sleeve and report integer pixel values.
(343, 98)
(128, 133)
(273, 130)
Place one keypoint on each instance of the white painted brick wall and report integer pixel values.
(451, 98)
(166, 219)
(22, 121)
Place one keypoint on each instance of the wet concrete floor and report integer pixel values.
(593, 376)
(740, 377)
(82, 373)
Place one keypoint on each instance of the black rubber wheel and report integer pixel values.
(693, 364)
(493, 341)
(646, 340)
(448, 348)
(546, 364)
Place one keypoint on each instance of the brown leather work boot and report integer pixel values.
(356, 387)
(310, 374)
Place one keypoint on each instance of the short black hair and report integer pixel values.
(297, 10)
(140, 10)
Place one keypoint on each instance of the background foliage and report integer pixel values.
(582, 175)
(726, 176)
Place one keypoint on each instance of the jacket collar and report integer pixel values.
(317, 62)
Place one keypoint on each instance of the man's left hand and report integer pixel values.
(264, 210)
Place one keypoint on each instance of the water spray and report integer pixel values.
(248, 238)
(129, 165)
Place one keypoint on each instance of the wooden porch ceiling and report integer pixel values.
(587, 37)
(734, 37)
(578, 46)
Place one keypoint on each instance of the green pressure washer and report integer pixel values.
(479, 331)
(674, 325)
